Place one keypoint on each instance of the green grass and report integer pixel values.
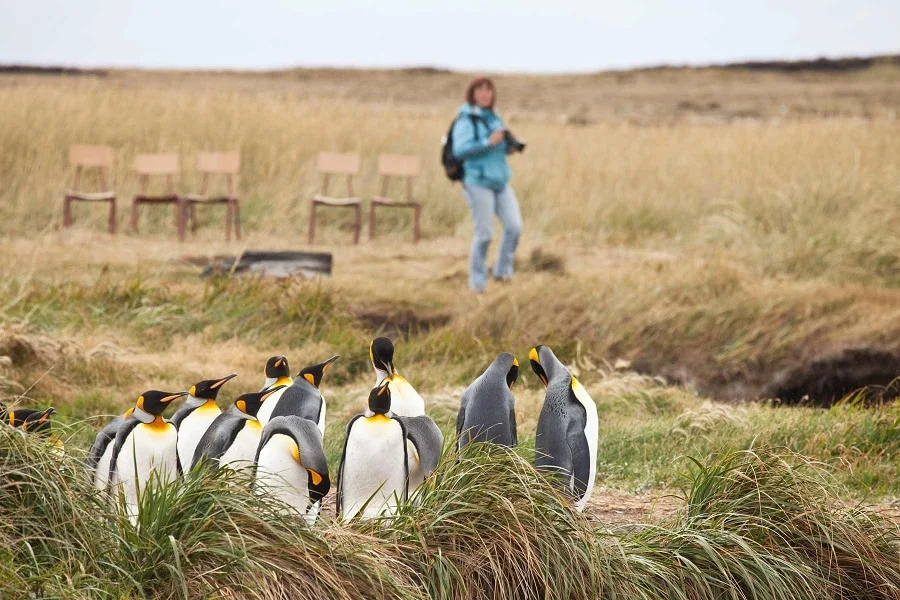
(752, 525)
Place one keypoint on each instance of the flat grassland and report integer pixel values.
(702, 246)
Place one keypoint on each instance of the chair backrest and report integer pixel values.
(399, 165)
(333, 163)
(84, 156)
(338, 164)
(156, 164)
(228, 163)
(90, 156)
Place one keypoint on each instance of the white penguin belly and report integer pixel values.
(101, 471)
(373, 467)
(591, 432)
(149, 450)
(242, 451)
(264, 414)
(192, 429)
(281, 475)
(405, 400)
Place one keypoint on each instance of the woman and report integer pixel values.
(479, 142)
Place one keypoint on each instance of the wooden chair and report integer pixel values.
(147, 165)
(394, 165)
(88, 157)
(226, 164)
(330, 164)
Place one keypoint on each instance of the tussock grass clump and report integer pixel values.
(486, 526)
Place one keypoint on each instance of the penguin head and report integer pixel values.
(38, 422)
(155, 402)
(277, 367)
(539, 357)
(250, 404)
(380, 398)
(381, 353)
(209, 389)
(314, 373)
(513, 373)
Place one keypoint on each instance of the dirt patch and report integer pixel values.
(824, 381)
(617, 507)
(398, 321)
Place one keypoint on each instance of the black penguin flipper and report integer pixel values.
(340, 480)
(218, 437)
(426, 436)
(104, 438)
(581, 452)
(124, 431)
(461, 415)
(512, 426)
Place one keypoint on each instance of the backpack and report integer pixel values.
(453, 167)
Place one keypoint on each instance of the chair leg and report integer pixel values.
(67, 212)
(228, 221)
(312, 222)
(357, 224)
(113, 218)
(416, 231)
(180, 218)
(134, 215)
(371, 220)
(236, 219)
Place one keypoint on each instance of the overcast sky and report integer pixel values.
(500, 35)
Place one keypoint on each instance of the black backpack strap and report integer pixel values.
(475, 120)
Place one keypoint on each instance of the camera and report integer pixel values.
(513, 143)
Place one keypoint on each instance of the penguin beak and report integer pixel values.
(536, 366)
(328, 362)
(222, 381)
(272, 391)
(279, 362)
(168, 399)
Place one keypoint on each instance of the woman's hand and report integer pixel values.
(497, 137)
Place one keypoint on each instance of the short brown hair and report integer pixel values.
(477, 83)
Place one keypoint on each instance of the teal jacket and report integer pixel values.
(483, 164)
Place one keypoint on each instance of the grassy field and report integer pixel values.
(703, 247)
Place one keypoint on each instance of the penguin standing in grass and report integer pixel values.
(567, 428)
(303, 398)
(406, 400)
(487, 410)
(195, 416)
(374, 474)
(291, 465)
(100, 454)
(15, 418)
(145, 447)
(233, 438)
(38, 421)
(278, 374)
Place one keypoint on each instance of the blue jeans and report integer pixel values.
(484, 202)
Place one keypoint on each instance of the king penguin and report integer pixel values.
(15, 418)
(487, 409)
(100, 454)
(38, 421)
(406, 400)
(567, 428)
(303, 398)
(291, 465)
(195, 416)
(278, 374)
(145, 446)
(374, 474)
(233, 438)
